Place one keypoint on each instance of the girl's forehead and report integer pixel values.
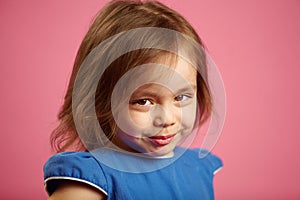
(170, 70)
(174, 77)
(185, 68)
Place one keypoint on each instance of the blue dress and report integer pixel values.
(184, 177)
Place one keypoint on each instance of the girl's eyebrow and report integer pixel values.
(190, 88)
(154, 94)
(141, 94)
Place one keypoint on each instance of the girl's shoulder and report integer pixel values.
(190, 164)
(204, 158)
(74, 166)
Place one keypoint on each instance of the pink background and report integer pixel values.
(255, 44)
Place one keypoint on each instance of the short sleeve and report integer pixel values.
(213, 162)
(75, 166)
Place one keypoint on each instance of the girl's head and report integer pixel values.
(154, 106)
(161, 91)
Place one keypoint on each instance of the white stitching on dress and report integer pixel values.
(74, 179)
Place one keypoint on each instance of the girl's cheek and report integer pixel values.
(189, 115)
(135, 123)
(131, 122)
(140, 119)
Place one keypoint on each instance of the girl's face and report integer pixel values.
(159, 113)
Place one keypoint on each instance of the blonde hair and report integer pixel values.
(116, 17)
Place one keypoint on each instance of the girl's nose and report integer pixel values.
(163, 116)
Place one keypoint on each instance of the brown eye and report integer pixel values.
(143, 102)
(182, 97)
(178, 98)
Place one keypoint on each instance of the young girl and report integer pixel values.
(137, 95)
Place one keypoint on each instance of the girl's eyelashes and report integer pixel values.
(142, 102)
(182, 97)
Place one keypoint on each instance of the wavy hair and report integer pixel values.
(116, 17)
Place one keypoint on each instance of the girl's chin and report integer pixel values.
(159, 152)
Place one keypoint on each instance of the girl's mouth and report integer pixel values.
(162, 140)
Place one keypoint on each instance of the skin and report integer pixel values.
(164, 107)
(73, 190)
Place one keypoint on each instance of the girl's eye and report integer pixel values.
(182, 97)
(143, 102)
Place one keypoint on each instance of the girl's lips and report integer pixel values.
(162, 140)
(163, 137)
